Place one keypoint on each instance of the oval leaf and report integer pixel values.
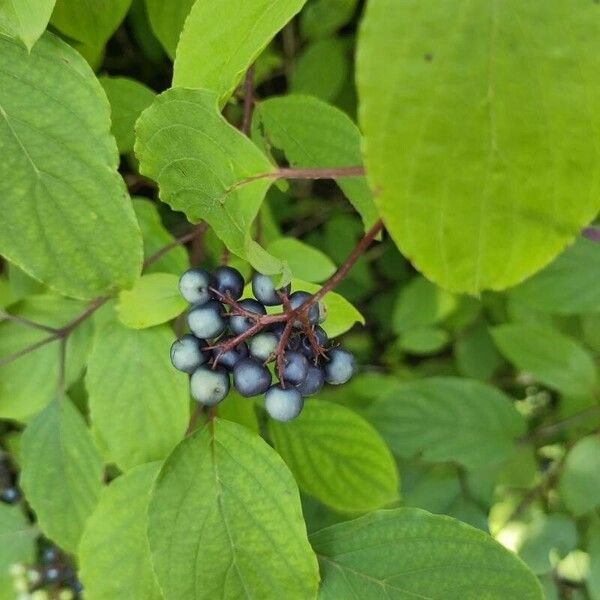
(25, 20)
(464, 129)
(221, 39)
(167, 19)
(225, 521)
(130, 375)
(61, 472)
(59, 185)
(409, 553)
(445, 418)
(304, 261)
(337, 457)
(114, 544)
(154, 299)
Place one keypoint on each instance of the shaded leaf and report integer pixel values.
(167, 19)
(305, 262)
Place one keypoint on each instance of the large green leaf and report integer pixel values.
(128, 98)
(313, 133)
(29, 383)
(90, 23)
(551, 357)
(61, 472)
(407, 553)
(566, 285)
(167, 19)
(446, 418)
(154, 299)
(198, 159)
(225, 521)
(139, 403)
(579, 483)
(222, 38)
(25, 20)
(337, 457)
(66, 215)
(464, 113)
(17, 538)
(114, 544)
(156, 237)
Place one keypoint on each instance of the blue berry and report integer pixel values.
(49, 555)
(10, 495)
(209, 386)
(229, 359)
(229, 282)
(305, 346)
(313, 383)
(264, 290)
(283, 404)
(187, 354)
(263, 346)
(52, 575)
(251, 378)
(340, 366)
(207, 320)
(194, 286)
(240, 324)
(295, 367)
(297, 299)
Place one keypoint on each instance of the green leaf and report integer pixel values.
(154, 299)
(128, 98)
(59, 185)
(156, 237)
(446, 418)
(579, 483)
(239, 410)
(409, 553)
(565, 286)
(61, 472)
(424, 340)
(167, 19)
(321, 70)
(17, 538)
(464, 132)
(25, 20)
(130, 375)
(305, 262)
(222, 38)
(29, 383)
(340, 314)
(225, 521)
(90, 23)
(337, 457)
(551, 357)
(545, 536)
(114, 544)
(322, 18)
(593, 548)
(475, 353)
(421, 303)
(198, 158)
(312, 133)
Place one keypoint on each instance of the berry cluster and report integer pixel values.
(238, 337)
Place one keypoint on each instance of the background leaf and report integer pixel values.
(25, 20)
(61, 472)
(551, 357)
(221, 527)
(28, 384)
(128, 98)
(445, 418)
(130, 375)
(167, 19)
(304, 261)
(409, 553)
(311, 133)
(321, 18)
(154, 299)
(60, 189)
(114, 544)
(579, 483)
(475, 179)
(222, 39)
(337, 457)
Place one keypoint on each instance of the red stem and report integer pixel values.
(248, 101)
